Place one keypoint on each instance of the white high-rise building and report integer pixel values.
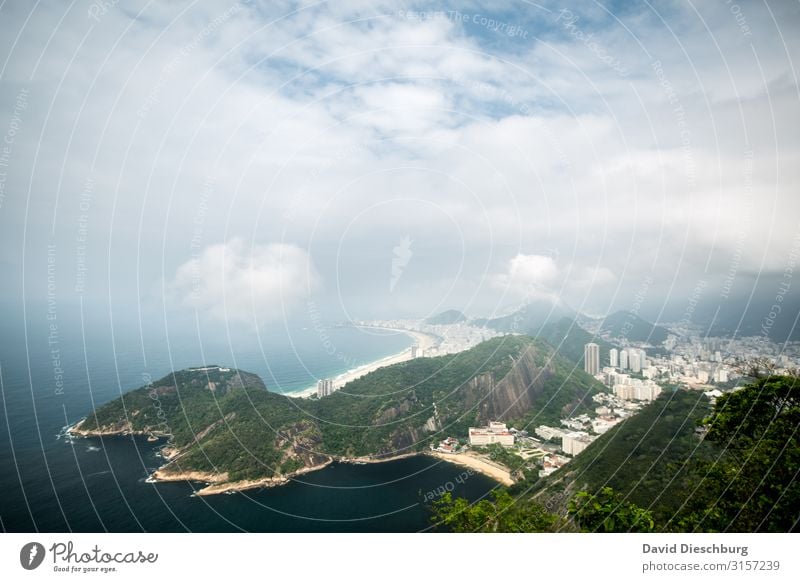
(635, 362)
(591, 358)
(613, 358)
(623, 360)
(324, 388)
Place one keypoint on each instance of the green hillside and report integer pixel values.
(569, 339)
(643, 458)
(631, 327)
(227, 422)
(679, 465)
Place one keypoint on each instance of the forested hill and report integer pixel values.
(643, 458)
(226, 423)
(629, 326)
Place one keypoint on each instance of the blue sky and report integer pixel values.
(243, 159)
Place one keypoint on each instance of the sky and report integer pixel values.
(253, 162)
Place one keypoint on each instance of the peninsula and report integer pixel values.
(225, 429)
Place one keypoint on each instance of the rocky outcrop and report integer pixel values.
(401, 441)
(122, 427)
(300, 442)
(204, 433)
(393, 412)
(512, 396)
(432, 425)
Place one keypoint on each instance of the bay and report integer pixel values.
(51, 483)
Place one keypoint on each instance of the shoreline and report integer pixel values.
(478, 464)
(217, 483)
(374, 460)
(421, 339)
(216, 488)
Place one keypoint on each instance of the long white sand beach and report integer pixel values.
(423, 341)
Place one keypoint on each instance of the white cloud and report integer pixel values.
(529, 275)
(234, 281)
(305, 115)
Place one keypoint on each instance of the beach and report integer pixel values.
(423, 341)
(479, 464)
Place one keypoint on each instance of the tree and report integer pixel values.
(607, 511)
(753, 484)
(503, 514)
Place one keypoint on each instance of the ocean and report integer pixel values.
(52, 377)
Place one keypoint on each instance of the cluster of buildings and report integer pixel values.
(454, 338)
(633, 359)
(633, 378)
(690, 359)
(624, 386)
(449, 445)
(572, 439)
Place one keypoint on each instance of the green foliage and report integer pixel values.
(381, 412)
(752, 485)
(643, 458)
(503, 513)
(566, 391)
(290, 465)
(507, 457)
(608, 511)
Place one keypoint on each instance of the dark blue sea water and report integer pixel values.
(48, 483)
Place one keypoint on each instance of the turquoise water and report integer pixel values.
(54, 484)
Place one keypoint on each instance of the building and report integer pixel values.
(591, 359)
(613, 357)
(552, 463)
(448, 445)
(635, 360)
(496, 432)
(623, 360)
(574, 443)
(601, 425)
(549, 433)
(637, 390)
(324, 388)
